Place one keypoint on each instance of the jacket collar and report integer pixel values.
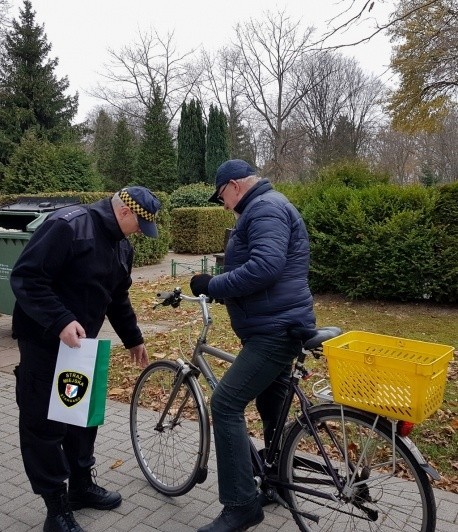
(103, 214)
(261, 187)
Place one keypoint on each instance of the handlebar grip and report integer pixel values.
(164, 295)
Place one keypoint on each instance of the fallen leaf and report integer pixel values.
(116, 391)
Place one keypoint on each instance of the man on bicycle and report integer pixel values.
(265, 289)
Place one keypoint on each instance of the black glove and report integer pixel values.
(199, 283)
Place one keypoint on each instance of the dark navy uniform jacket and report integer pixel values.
(76, 266)
(266, 265)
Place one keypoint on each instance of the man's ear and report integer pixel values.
(124, 212)
(237, 185)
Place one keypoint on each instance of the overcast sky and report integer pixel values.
(81, 31)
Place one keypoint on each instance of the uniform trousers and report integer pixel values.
(51, 451)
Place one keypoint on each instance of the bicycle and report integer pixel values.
(333, 467)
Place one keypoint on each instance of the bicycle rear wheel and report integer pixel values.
(172, 455)
(390, 491)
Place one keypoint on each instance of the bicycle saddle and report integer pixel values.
(313, 338)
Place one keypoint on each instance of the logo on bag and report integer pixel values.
(72, 387)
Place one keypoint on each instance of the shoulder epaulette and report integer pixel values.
(71, 213)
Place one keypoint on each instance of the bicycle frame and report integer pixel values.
(198, 364)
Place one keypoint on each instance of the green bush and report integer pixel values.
(394, 259)
(353, 174)
(445, 219)
(200, 230)
(298, 193)
(372, 243)
(333, 220)
(194, 195)
(39, 166)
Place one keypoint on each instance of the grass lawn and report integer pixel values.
(437, 437)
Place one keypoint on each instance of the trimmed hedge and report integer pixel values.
(445, 221)
(200, 229)
(193, 195)
(381, 242)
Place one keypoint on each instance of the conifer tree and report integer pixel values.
(240, 145)
(31, 95)
(104, 129)
(121, 166)
(217, 142)
(37, 166)
(156, 164)
(191, 144)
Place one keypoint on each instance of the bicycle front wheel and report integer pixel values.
(385, 489)
(171, 446)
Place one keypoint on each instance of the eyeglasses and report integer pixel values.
(219, 197)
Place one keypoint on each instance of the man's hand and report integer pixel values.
(139, 355)
(72, 333)
(199, 283)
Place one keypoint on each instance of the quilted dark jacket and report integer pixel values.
(266, 264)
(76, 266)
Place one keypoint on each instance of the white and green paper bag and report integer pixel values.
(79, 390)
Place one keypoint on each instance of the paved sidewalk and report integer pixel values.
(143, 509)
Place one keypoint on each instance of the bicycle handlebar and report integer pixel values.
(174, 298)
(311, 338)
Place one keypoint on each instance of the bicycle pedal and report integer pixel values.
(264, 499)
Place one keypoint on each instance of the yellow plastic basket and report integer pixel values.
(394, 377)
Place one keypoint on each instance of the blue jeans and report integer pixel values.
(261, 360)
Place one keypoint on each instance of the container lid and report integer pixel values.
(37, 204)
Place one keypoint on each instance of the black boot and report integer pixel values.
(60, 517)
(236, 518)
(83, 492)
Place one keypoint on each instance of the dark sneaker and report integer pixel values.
(94, 496)
(236, 518)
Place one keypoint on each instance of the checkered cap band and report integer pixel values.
(136, 207)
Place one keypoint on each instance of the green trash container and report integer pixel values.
(18, 221)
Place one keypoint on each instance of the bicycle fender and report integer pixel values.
(420, 458)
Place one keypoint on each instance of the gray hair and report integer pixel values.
(250, 180)
(116, 201)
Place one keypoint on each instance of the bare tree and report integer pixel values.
(395, 153)
(407, 156)
(370, 16)
(439, 151)
(338, 112)
(221, 82)
(5, 7)
(270, 52)
(220, 79)
(134, 73)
